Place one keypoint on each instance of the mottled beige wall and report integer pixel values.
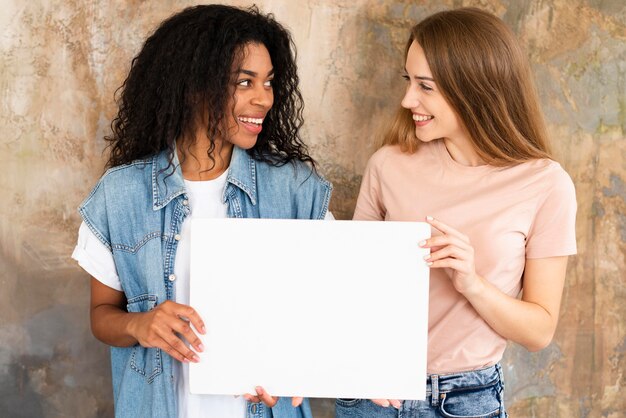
(61, 61)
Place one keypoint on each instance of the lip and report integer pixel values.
(422, 123)
(254, 115)
(251, 127)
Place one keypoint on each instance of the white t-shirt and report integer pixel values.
(205, 201)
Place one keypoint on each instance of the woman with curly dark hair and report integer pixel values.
(208, 126)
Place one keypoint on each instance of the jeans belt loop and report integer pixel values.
(434, 388)
(500, 374)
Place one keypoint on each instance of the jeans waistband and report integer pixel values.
(472, 379)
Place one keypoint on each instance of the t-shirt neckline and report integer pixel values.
(446, 158)
(218, 180)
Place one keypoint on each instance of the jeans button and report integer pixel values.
(254, 408)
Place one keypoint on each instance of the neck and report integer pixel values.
(463, 152)
(196, 165)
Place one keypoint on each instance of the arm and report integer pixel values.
(530, 321)
(113, 325)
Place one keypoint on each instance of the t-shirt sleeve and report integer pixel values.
(553, 232)
(95, 258)
(369, 206)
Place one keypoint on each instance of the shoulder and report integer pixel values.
(393, 154)
(557, 174)
(295, 173)
(292, 190)
(137, 170)
(547, 181)
(123, 177)
(559, 183)
(385, 153)
(391, 160)
(549, 174)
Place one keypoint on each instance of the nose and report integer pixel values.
(411, 98)
(263, 96)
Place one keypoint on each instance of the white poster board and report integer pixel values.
(331, 309)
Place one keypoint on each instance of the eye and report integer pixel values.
(244, 83)
(269, 83)
(425, 87)
(406, 77)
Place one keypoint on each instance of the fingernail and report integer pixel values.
(421, 243)
(429, 218)
(385, 404)
(196, 358)
(185, 360)
(427, 257)
(429, 263)
(200, 347)
(203, 329)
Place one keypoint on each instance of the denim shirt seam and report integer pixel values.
(237, 177)
(93, 229)
(327, 195)
(137, 247)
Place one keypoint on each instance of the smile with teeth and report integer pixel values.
(421, 118)
(256, 121)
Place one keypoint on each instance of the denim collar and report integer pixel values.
(167, 185)
(242, 173)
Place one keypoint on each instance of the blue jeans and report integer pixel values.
(475, 394)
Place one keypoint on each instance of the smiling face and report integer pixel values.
(434, 118)
(253, 96)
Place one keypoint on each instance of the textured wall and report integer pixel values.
(61, 61)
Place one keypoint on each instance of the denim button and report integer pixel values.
(177, 237)
(172, 277)
(253, 409)
(185, 202)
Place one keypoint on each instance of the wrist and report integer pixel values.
(131, 325)
(475, 289)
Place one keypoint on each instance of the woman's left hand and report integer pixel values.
(452, 250)
(270, 401)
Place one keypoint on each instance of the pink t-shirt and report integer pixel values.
(510, 214)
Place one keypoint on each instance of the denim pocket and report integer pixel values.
(145, 361)
(485, 402)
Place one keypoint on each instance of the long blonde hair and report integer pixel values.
(484, 75)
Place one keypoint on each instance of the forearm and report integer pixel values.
(112, 325)
(523, 322)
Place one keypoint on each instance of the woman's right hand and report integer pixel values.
(166, 326)
(386, 402)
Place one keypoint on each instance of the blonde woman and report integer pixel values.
(468, 153)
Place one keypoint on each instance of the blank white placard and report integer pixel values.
(331, 309)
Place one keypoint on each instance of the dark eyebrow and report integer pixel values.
(254, 74)
(417, 77)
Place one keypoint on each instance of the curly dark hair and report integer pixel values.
(185, 67)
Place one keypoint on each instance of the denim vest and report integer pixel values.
(137, 210)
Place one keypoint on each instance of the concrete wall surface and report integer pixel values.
(62, 60)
